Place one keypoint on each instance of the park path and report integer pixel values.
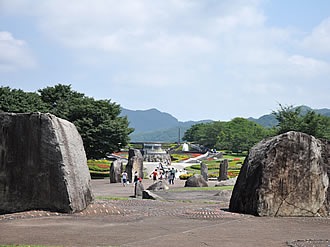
(136, 222)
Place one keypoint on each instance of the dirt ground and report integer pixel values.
(183, 219)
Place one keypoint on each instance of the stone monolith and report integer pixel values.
(135, 163)
(116, 169)
(43, 164)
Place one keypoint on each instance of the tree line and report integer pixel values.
(102, 129)
(241, 134)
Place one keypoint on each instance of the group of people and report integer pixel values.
(167, 175)
(155, 175)
(124, 178)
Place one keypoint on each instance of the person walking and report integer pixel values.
(171, 176)
(124, 178)
(136, 177)
(154, 175)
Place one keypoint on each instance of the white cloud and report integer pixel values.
(319, 39)
(306, 66)
(244, 16)
(14, 53)
(210, 49)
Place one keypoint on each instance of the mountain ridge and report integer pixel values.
(156, 126)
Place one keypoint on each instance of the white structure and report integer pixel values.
(185, 147)
(153, 148)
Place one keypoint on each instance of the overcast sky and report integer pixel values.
(194, 59)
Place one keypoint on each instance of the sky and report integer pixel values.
(194, 59)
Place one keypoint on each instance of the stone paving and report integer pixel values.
(182, 221)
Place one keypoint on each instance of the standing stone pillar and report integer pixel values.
(116, 169)
(135, 163)
(138, 189)
(223, 171)
(204, 171)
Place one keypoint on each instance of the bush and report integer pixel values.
(195, 167)
(95, 174)
(185, 176)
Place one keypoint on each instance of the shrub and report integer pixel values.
(95, 174)
(185, 176)
(195, 167)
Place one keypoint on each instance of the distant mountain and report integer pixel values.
(149, 120)
(157, 126)
(162, 135)
(269, 120)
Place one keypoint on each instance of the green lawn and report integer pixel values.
(234, 165)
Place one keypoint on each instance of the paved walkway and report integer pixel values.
(136, 222)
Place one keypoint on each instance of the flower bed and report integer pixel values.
(99, 168)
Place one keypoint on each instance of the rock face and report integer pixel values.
(287, 175)
(43, 164)
(164, 158)
(228, 182)
(116, 169)
(196, 181)
(135, 163)
(159, 185)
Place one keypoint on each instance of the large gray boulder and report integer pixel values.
(43, 164)
(196, 181)
(287, 175)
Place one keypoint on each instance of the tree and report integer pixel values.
(288, 118)
(241, 134)
(236, 135)
(60, 99)
(97, 121)
(291, 119)
(16, 100)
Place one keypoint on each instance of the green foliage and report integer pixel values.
(96, 174)
(186, 176)
(97, 121)
(13, 100)
(293, 119)
(234, 166)
(237, 135)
